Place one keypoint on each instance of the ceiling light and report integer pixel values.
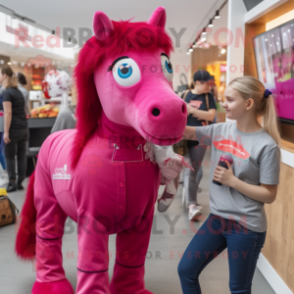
(203, 39)
(190, 50)
(210, 24)
(204, 32)
(217, 16)
(188, 53)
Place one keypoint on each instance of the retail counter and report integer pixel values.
(40, 129)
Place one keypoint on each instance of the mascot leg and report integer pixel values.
(129, 269)
(50, 275)
(93, 257)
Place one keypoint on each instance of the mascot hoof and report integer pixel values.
(58, 287)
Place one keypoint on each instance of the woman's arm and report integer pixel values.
(190, 133)
(7, 120)
(204, 115)
(264, 193)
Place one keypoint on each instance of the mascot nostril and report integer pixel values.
(156, 112)
(184, 109)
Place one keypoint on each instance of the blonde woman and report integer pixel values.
(16, 132)
(237, 220)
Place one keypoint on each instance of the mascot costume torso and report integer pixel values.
(98, 174)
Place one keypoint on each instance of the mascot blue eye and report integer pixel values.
(168, 66)
(125, 71)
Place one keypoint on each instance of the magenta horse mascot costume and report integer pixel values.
(98, 174)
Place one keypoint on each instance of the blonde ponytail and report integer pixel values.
(250, 87)
(270, 122)
(11, 82)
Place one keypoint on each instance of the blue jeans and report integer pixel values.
(2, 158)
(214, 236)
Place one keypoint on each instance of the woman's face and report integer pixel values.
(202, 87)
(235, 105)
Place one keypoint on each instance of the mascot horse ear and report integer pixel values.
(102, 26)
(158, 18)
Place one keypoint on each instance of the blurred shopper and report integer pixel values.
(203, 112)
(213, 88)
(22, 81)
(3, 174)
(16, 132)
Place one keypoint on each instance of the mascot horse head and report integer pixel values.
(124, 71)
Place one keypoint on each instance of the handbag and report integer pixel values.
(7, 209)
(181, 147)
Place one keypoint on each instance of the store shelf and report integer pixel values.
(38, 123)
(288, 146)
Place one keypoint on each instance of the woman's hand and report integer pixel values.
(190, 109)
(223, 175)
(6, 138)
(195, 113)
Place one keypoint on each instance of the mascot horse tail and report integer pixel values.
(25, 245)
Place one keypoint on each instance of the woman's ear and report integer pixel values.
(249, 103)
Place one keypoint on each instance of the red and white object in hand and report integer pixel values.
(170, 164)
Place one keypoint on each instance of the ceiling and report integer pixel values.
(189, 14)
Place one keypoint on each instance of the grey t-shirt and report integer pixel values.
(65, 120)
(256, 159)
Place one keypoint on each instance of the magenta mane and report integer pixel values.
(126, 37)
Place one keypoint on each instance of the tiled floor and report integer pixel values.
(166, 247)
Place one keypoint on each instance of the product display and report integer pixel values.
(98, 174)
(274, 54)
(48, 110)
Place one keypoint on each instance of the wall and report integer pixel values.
(279, 245)
(181, 63)
(236, 14)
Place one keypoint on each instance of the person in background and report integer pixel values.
(22, 81)
(66, 119)
(16, 132)
(3, 175)
(202, 103)
(214, 92)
